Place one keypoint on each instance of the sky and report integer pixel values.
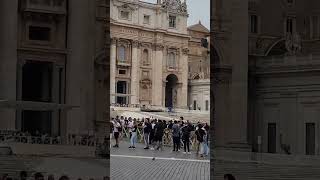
(198, 10)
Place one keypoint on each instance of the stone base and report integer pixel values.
(52, 150)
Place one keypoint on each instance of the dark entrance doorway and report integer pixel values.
(37, 87)
(310, 138)
(272, 140)
(37, 81)
(36, 121)
(122, 91)
(171, 90)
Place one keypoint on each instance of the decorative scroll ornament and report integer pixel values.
(293, 43)
(175, 6)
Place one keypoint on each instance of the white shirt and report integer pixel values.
(130, 125)
(115, 125)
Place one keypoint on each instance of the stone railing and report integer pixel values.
(49, 6)
(72, 140)
(287, 61)
(125, 105)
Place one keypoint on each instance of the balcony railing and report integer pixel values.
(45, 6)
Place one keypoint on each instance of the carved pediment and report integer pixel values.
(125, 6)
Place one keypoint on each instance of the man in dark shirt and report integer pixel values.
(146, 132)
(176, 136)
(186, 137)
(159, 131)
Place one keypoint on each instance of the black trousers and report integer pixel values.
(186, 143)
(176, 143)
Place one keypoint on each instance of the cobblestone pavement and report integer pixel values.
(138, 164)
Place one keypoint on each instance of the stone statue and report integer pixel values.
(174, 97)
(293, 43)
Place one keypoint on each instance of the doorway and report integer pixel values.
(171, 91)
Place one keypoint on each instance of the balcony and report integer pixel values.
(123, 63)
(44, 6)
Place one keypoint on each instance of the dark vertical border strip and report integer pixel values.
(107, 81)
(212, 99)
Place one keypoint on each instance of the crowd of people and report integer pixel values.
(23, 175)
(154, 131)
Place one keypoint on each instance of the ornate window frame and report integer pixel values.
(148, 47)
(127, 45)
(125, 8)
(175, 52)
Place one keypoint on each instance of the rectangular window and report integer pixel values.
(121, 71)
(146, 19)
(310, 138)
(253, 24)
(39, 33)
(172, 21)
(289, 25)
(124, 14)
(272, 138)
(194, 105)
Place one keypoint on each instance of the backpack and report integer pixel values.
(120, 128)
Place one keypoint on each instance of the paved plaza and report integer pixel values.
(136, 164)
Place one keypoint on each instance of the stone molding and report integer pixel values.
(221, 74)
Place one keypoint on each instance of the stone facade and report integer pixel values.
(53, 66)
(275, 55)
(149, 53)
(199, 68)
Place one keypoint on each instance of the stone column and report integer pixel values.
(157, 75)
(113, 58)
(80, 64)
(8, 59)
(134, 73)
(164, 83)
(239, 62)
(55, 99)
(183, 97)
(221, 112)
(20, 63)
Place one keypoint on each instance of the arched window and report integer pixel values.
(145, 56)
(122, 54)
(172, 60)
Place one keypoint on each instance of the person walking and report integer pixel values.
(175, 136)
(146, 132)
(116, 128)
(159, 131)
(133, 138)
(200, 132)
(185, 130)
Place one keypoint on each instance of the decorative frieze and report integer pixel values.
(135, 44)
(158, 47)
(114, 40)
(185, 51)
